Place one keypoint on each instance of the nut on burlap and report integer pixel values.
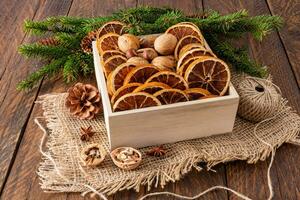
(259, 99)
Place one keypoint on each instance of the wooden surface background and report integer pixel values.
(19, 136)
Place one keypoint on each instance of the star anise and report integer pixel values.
(157, 151)
(86, 133)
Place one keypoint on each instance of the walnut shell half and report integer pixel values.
(93, 154)
(126, 157)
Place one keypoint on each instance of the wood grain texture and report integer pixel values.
(251, 179)
(22, 182)
(23, 173)
(290, 33)
(16, 106)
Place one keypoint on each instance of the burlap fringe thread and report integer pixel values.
(61, 170)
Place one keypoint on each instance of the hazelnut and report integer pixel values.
(131, 53)
(164, 62)
(137, 60)
(165, 44)
(147, 53)
(128, 41)
(147, 41)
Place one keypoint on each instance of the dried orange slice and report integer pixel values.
(107, 42)
(190, 47)
(190, 23)
(196, 93)
(168, 96)
(151, 87)
(125, 89)
(140, 74)
(193, 53)
(112, 63)
(170, 78)
(116, 78)
(107, 54)
(111, 27)
(189, 39)
(181, 30)
(209, 73)
(181, 70)
(135, 101)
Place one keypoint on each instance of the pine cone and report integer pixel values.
(84, 101)
(48, 41)
(86, 42)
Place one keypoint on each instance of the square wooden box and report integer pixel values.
(166, 123)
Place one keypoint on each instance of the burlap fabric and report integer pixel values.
(61, 169)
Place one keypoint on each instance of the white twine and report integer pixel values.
(56, 168)
(271, 193)
(91, 189)
(95, 192)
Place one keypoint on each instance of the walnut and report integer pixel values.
(93, 155)
(126, 157)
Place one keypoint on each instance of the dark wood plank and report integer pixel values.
(290, 33)
(23, 173)
(251, 179)
(16, 106)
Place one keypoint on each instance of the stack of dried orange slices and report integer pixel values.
(173, 67)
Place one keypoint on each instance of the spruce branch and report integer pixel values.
(140, 14)
(237, 57)
(69, 31)
(71, 69)
(36, 50)
(47, 70)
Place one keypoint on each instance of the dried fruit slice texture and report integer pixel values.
(111, 27)
(189, 39)
(108, 42)
(125, 89)
(116, 78)
(190, 47)
(181, 30)
(112, 63)
(168, 96)
(181, 70)
(107, 54)
(135, 101)
(193, 53)
(190, 23)
(140, 74)
(196, 93)
(170, 78)
(208, 73)
(151, 87)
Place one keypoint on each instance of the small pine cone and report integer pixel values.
(84, 101)
(86, 42)
(49, 41)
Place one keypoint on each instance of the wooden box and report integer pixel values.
(166, 123)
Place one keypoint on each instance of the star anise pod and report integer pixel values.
(86, 133)
(157, 151)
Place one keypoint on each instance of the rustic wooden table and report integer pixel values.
(19, 136)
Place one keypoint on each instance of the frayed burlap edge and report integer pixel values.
(54, 179)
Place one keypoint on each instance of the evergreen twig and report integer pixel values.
(37, 50)
(69, 31)
(47, 70)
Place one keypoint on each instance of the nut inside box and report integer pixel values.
(166, 123)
